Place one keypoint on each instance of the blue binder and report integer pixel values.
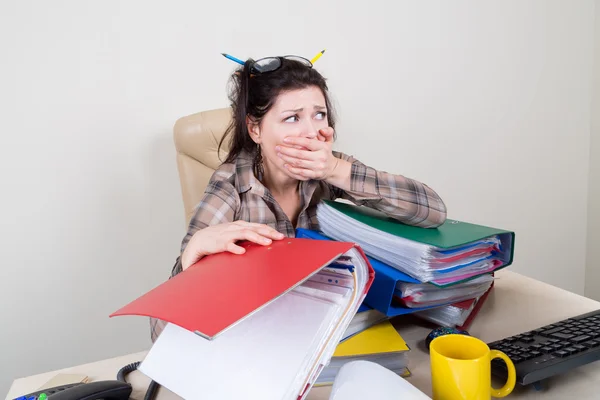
(381, 294)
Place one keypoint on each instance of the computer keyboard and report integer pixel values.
(552, 349)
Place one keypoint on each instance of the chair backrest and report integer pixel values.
(197, 138)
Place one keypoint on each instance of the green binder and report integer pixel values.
(450, 235)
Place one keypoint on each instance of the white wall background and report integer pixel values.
(592, 275)
(489, 102)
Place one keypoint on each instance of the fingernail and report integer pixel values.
(278, 148)
(287, 140)
(279, 155)
(267, 240)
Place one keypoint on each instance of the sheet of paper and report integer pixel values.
(360, 380)
(259, 358)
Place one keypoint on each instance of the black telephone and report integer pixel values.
(118, 389)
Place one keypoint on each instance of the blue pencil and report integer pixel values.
(232, 58)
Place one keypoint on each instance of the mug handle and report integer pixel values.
(512, 375)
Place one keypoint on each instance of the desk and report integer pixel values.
(516, 304)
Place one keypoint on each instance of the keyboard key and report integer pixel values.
(592, 343)
(535, 353)
(547, 349)
(579, 347)
(562, 335)
(535, 346)
(580, 339)
(552, 331)
(553, 340)
(527, 339)
(560, 353)
(517, 359)
(571, 350)
(526, 356)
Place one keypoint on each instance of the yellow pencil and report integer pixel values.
(317, 56)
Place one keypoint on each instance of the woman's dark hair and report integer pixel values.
(253, 96)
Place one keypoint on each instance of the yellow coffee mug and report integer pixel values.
(461, 369)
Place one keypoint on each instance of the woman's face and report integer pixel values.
(300, 112)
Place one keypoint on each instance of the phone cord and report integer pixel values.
(132, 367)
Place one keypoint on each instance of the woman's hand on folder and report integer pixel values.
(223, 237)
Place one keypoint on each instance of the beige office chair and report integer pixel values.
(197, 138)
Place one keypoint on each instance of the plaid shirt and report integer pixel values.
(234, 193)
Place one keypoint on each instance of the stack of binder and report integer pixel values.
(267, 321)
(380, 343)
(445, 265)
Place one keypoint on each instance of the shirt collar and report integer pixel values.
(245, 180)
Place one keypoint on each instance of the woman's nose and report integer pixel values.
(311, 134)
(310, 131)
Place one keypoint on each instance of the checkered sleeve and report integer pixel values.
(402, 198)
(218, 205)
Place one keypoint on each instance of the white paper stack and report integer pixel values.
(452, 315)
(414, 295)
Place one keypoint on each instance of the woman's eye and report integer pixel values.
(293, 118)
(321, 115)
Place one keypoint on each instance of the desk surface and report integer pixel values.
(516, 304)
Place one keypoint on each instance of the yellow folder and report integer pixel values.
(380, 338)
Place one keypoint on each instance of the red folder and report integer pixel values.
(222, 289)
(476, 309)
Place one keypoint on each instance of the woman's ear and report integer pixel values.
(253, 129)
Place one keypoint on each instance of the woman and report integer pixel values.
(281, 164)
